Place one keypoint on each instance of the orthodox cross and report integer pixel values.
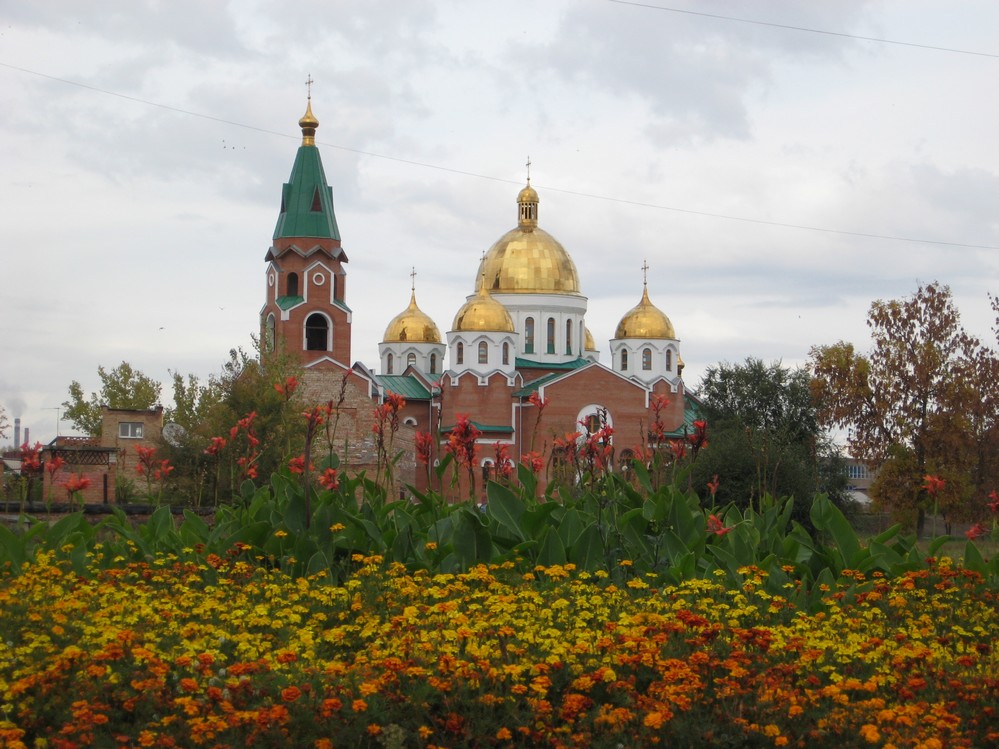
(528, 170)
(645, 273)
(308, 84)
(412, 279)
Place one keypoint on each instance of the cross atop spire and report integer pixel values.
(528, 170)
(645, 273)
(308, 85)
(412, 279)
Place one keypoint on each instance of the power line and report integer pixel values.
(477, 175)
(805, 29)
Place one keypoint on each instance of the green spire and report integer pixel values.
(306, 198)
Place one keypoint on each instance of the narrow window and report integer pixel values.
(551, 335)
(433, 364)
(568, 336)
(317, 333)
(269, 333)
(459, 354)
(317, 203)
(646, 359)
(669, 360)
(487, 470)
(411, 360)
(624, 359)
(292, 284)
(389, 364)
(529, 335)
(506, 353)
(483, 352)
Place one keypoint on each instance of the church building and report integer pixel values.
(518, 344)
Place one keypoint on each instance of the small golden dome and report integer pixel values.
(645, 320)
(308, 123)
(412, 325)
(528, 260)
(589, 344)
(483, 313)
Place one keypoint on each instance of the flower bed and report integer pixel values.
(185, 653)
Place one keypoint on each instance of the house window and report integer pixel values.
(487, 470)
(433, 364)
(317, 333)
(459, 354)
(568, 336)
(506, 353)
(130, 430)
(529, 335)
(389, 364)
(669, 360)
(483, 352)
(646, 359)
(624, 360)
(551, 335)
(292, 284)
(411, 360)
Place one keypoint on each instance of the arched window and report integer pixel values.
(529, 335)
(389, 364)
(411, 360)
(459, 353)
(317, 333)
(669, 359)
(487, 470)
(292, 284)
(433, 364)
(269, 332)
(550, 339)
(568, 336)
(506, 353)
(624, 359)
(483, 352)
(646, 359)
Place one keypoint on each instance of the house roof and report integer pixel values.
(407, 386)
(307, 198)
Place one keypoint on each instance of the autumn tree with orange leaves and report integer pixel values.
(923, 401)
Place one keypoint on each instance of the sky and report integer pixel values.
(777, 180)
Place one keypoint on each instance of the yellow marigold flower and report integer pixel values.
(424, 731)
(337, 527)
(430, 546)
(281, 534)
(609, 675)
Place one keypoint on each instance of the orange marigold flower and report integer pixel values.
(504, 734)
(359, 706)
(374, 729)
(290, 694)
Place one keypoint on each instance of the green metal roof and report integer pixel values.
(532, 387)
(408, 387)
(482, 428)
(307, 200)
(530, 364)
(287, 302)
(692, 411)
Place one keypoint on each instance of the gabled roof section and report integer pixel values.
(492, 428)
(534, 385)
(520, 363)
(307, 200)
(407, 386)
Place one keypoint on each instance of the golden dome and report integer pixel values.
(308, 123)
(528, 260)
(483, 313)
(645, 320)
(412, 325)
(589, 343)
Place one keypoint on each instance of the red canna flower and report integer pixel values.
(679, 449)
(424, 447)
(994, 504)
(716, 526)
(329, 479)
(533, 460)
(53, 466)
(217, 444)
(165, 469)
(713, 486)
(288, 387)
(76, 483)
(145, 465)
(538, 402)
(976, 531)
(699, 438)
(933, 484)
(502, 462)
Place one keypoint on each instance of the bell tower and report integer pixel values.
(305, 314)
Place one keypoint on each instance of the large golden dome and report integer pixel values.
(528, 260)
(483, 313)
(645, 320)
(412, 325)
(589, 343)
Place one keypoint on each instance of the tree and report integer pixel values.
(4, 424)
(912, 401)
(121, 387)
(765, 438)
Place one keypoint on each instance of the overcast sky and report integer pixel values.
(143, 146)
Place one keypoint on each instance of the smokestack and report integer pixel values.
(17, 431)
(27, 435)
